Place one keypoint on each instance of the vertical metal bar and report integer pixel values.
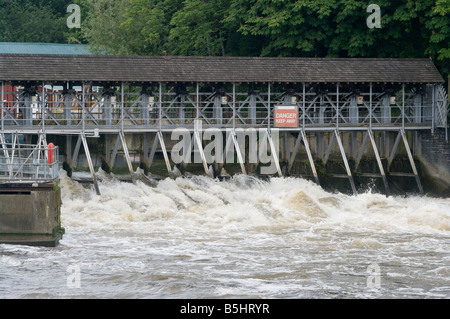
(433, 106)
(42, 107)
(197, 105)
(83, 108)
(160, 106)
(3, 106)
(269, 107)
(122, 105)
(337, 106)
(403, 106)
(370, 107)
(234, 106)
(304, 106)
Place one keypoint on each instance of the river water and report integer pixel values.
(241, 238)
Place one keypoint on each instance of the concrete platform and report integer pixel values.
(30, 214)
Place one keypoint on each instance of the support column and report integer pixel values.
(274, 154)
(411, 160)
(166, 156)
(347, 167)
(353, 119)
(69, 149)
(380, 165)
(127, 155)
(238, 151)
(107, 112)
(91, 166)
(252, 108)
(181, 109)
(385, 119)
(146, 104)
(26, 109)
(2, 115)
(67, 109)
(144, 108)
(198, 141)
(217, 109)
(308, 152)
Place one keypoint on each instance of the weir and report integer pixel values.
(336, 108)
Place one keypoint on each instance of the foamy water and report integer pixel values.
(242, 238)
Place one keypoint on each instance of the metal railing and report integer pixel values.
(166, 108)
(28, 163)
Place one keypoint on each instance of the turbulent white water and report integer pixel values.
(243, 238)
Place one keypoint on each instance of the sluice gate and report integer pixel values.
(219, 110)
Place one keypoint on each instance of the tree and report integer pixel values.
(197, 28)
(100, 26)
(338, 28)
(149, 21)
(31, 21)
(320, 28)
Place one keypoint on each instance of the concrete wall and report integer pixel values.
(30, 215)
(433, 151)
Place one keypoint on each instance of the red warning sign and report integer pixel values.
(286, 116)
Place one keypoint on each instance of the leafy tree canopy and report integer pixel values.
(321, 28)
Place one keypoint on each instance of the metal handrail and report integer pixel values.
(28, 163)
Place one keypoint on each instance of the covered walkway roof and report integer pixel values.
(104, 68)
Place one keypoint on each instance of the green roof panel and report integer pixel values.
(43, 48)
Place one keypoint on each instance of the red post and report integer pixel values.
(51, 153)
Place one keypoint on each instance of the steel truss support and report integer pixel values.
(274, 153)
(344, 158)
(238, 150)
(199, 144)
(380, 165)
(166, 156)
(402, 136)
(89, 159)
(303, 138)
(127, 155)
(411, 161)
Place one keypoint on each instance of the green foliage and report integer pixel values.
(32, 21)
(307, 28)
(198, 28)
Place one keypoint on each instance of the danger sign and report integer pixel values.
(286, 116)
